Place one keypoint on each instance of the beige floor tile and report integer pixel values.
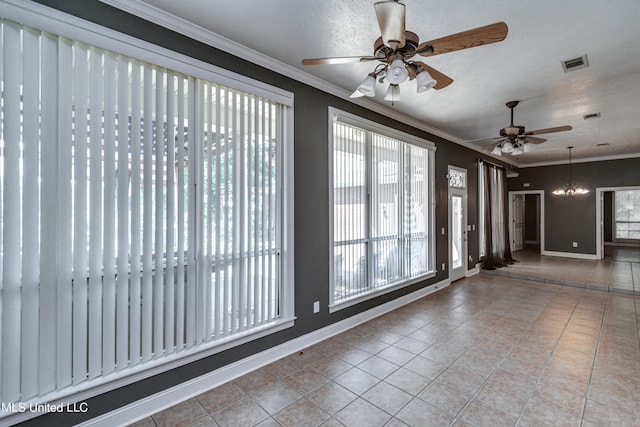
(362, 413)
(302, 412)
(420, 413)
(242, 413)
(182, 414)
(387, 397)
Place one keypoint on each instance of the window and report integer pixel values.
(143, 213)
(382, 219)
(627, 215)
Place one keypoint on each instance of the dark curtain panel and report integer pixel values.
(497, 251)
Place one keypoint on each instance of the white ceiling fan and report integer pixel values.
(396, 48)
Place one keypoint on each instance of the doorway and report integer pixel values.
(607, 223)
(526, 220)
(457, 222)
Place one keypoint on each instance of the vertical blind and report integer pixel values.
(140, 212)
(381, 211)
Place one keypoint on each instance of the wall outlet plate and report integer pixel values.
(316, 306)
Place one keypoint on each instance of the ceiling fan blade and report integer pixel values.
(534, 140)
(391, 19)
(338, 60)
(483, 139)
(477, 37)
(442, 80)
(548, 130)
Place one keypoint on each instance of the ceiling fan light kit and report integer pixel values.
(396, 48)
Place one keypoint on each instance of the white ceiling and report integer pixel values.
(526, 66)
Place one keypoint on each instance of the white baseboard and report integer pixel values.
(165, 399)
(570, 255)
(472, 272)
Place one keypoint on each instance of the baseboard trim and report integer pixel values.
(167, 398)
(570, 255)
(472, 272)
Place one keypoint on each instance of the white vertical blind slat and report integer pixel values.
(209, 236)
(160, 250)
(192, 250)
(171, 225)
(11, 263)
(30, 214)
(80, 177)
(254, 131)
(95, 217)
(197, 298)
(48, 223)
(147, 247)
(109, 215)
(180, 170)
(242, 212)
(122, 199)
(64, 326)
(218, 243)
(271, 293)
(224, 199)
(135, 212)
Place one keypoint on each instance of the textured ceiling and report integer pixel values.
(526, 66)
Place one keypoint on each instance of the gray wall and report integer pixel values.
(311, 204)
(573, 219)
(531, 219)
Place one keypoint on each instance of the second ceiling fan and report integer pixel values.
(396, 48)
(515, 140)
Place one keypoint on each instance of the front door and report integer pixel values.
(457, 223)
(517, 221)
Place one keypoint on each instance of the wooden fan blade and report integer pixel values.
(391, 19)
(534, 140)
(477, 37)
(442, 80)
(483, 139)
(548, 130)
(338, 60)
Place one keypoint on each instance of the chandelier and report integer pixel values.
(570, 189)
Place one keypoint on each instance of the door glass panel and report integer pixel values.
(456, 231)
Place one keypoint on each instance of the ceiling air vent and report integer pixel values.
(575, 63)
(591, 116)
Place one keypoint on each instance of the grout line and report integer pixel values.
(593, 364)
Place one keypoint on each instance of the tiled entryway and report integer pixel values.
(619, 271)
(486, 351)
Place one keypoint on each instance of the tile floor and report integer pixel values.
(486, 351)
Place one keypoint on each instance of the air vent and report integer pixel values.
(575, 63)
(591, 116)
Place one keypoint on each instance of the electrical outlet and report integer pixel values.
(575, 244)
(316, 306)
(443, 266)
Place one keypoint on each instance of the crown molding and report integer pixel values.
(574, 161)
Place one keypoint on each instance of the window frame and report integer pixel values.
(615, 221)
(373, 127)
